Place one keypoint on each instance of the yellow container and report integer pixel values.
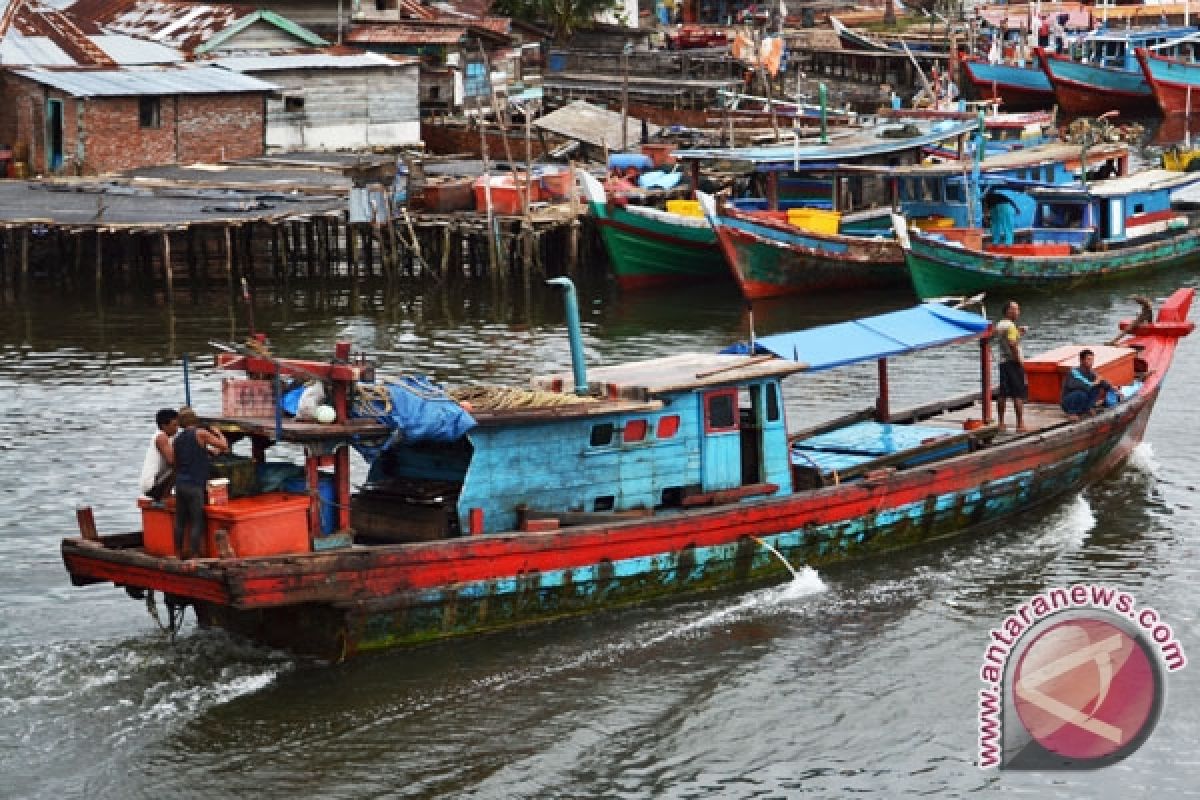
(931, 223)
(816, 220)
(685, 208)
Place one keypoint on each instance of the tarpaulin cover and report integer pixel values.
(870, 338)
(420, 412)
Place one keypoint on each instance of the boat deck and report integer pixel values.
(1038, 417)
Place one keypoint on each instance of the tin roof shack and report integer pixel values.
(93, 121)
(336, 100)
(452, 67)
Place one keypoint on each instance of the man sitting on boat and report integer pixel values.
(1083, 389)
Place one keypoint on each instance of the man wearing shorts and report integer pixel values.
(1007, 335)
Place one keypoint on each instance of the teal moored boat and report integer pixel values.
(1082, 234)
(648, 247)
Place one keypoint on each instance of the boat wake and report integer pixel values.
(1068, 528)
(1143, 460)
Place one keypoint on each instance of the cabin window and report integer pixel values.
(602, 434)
(635, 430)
(606, 503)
(668, 426)
(293, 104)
(1049, 173)
(672, 496)
(772, 403)
(149, 112)
(720, 411)
(1139, 208)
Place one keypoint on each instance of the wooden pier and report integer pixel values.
(206, 227)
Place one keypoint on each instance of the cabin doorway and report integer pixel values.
(750, 421)
(54, 135)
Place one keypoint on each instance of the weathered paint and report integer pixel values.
(1089, 89)
(647, 252)
(1020, 88)
(769, 260)
(337, 603)
(938, 269)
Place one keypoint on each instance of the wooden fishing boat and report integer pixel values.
(1106, 76)
(1174, 80)
(771, 258)
(1086, 234)
(916, 42)
(1017, 88)
(780, 255)
(668, 477)
(648, 247)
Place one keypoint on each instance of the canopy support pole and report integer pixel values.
(773, 190)
(985, 375)
(882, 413)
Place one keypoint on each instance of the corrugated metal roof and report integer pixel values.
(139, 82)
(310, 61)
(17, 48)
(130, 51)
(406, 34)
(591, 124)
(181, 25)
(32, 20)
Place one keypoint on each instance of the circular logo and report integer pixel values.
(1087, 690)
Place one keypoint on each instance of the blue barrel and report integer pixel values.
(556, 62)
(626, 160)
(326, 491)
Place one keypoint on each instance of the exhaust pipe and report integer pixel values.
(574, 333)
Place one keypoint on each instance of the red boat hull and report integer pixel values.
(338, 603)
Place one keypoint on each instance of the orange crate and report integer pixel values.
(268, 524)
(247, 397)
(158, 528)
(1047, 371)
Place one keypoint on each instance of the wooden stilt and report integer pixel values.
(168, 272)
(228, 256)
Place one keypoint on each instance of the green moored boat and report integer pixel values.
(648, 247)
(1083, 234)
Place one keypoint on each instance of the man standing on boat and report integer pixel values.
(158, 468)
(1007, 335)
(194, 447)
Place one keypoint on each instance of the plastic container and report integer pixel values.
(263, 525)
(933, 223)
(158, 527)
(554, 184)
(506, 197)
(687, 208)
(218, 492)
(815, 220)
(326, 492)
(556, 62)
(623, 161)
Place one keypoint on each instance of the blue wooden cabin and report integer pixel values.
(1112, 213)
(664, 434)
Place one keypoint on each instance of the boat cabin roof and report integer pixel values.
(1053, 153)
(1151, 180)
(678, 373)
(1138, 35)
(880, 140)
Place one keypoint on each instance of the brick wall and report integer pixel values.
(191, 128)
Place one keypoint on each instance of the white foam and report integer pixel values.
(1070, 526)
(1142, 459)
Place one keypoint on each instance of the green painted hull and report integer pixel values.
(647, 252)
(938, 269)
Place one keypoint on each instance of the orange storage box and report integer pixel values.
(270, 524)
(1047, 371)
(158, 527)
(506, 194)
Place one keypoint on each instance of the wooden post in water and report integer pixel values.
(228, 256)
(168, 273)
(24, 258)
(99, 261)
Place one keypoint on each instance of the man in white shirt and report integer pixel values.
(158, 468)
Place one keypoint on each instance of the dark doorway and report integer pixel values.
(54, 135)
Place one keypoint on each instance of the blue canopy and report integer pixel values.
(870, 338)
